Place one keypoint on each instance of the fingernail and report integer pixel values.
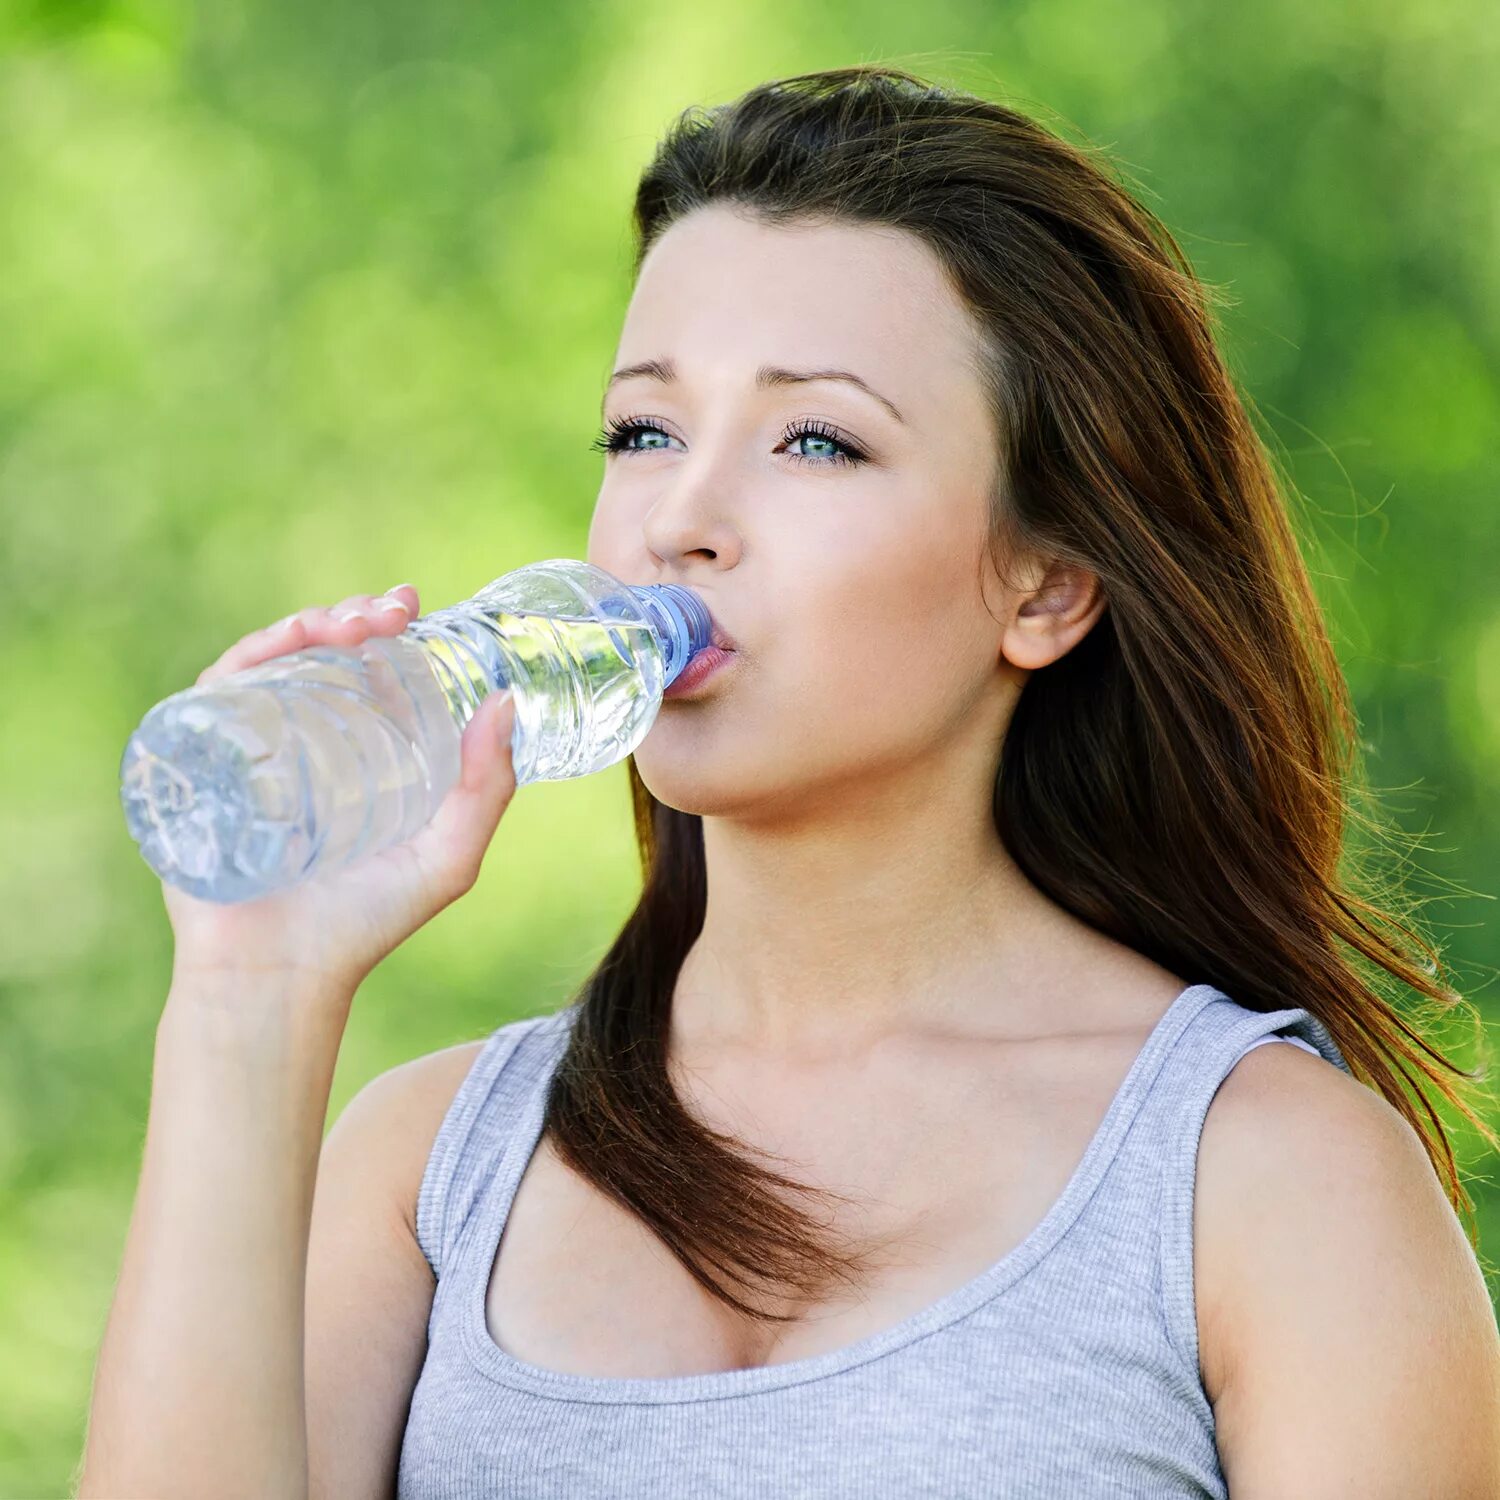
(393, 604)
(345, 615)
(396, 586)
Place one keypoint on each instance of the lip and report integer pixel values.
(717, 635)
(707, 664)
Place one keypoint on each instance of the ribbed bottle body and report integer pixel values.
(319, 757)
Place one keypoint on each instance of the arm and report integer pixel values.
(369, 1287)
(1360, 1355)
(198, 1389)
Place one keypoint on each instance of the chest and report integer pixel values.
(949, 1167)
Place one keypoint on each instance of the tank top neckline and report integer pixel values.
(488, 1225)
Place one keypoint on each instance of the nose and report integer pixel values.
(689, 527)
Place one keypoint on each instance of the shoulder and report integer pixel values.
(369, 1287)
(393, 1120)
(1347, 1333)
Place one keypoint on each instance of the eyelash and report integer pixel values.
(612, 439)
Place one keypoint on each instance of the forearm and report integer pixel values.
(199, 1386)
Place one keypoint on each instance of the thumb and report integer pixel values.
(464, 824)
(487, 771)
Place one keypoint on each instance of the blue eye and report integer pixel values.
(617, 432)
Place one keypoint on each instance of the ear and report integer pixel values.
(1054, 610)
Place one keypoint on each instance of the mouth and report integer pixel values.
(717, 634)
(706, 664)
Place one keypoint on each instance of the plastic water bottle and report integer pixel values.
(311, 760)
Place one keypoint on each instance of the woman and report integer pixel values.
(978, 880)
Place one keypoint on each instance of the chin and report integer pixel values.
(706, 789)
(689, 778)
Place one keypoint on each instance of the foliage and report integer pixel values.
(299, 303)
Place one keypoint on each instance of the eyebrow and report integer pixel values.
(765, 377)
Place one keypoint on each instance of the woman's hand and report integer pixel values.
(339, 924)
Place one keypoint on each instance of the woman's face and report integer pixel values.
(849, 563)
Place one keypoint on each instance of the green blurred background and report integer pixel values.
(299, 302)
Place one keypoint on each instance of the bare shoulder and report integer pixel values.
(1348, 1342)
(393, 1120)
(369, 1286)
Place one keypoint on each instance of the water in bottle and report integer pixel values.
(313, 759)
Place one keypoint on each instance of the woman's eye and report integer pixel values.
(817, 435)
(616, 437)
(617, 434)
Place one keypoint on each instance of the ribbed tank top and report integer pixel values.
(1066, 1370)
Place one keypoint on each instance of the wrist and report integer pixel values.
(267, 1007)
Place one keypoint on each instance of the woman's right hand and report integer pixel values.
(339, 924)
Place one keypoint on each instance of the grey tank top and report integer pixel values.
(1067, 1370)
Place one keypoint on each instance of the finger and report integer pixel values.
(313, 626)
(407, 593)
(458, 835)
(402, 599)
(347, 623)
(486, 762)
(383, 613)
(288, 634)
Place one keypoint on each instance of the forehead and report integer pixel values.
(719, 290)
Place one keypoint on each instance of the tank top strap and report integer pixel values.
(1217, 1036)
(476, 1130)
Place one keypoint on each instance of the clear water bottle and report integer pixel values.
(311, 760)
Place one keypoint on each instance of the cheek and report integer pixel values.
(615, 543)
(885, 648)
(600, 548)
(899, 604)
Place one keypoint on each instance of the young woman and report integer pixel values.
(921, 1133)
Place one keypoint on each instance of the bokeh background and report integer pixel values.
(299, 302)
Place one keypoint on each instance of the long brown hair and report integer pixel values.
(1181, 779)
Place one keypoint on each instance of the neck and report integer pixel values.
(825, 940)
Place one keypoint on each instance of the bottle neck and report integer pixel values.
(681, 621)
